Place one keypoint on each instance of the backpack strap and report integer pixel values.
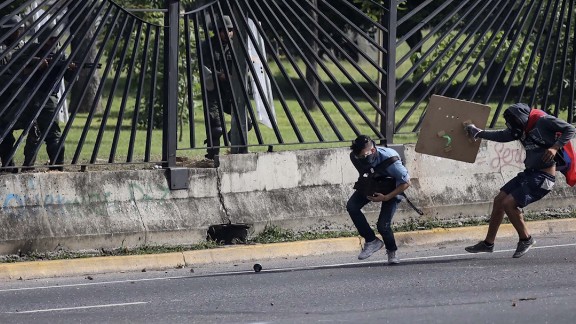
(535, 114)
(381, 168)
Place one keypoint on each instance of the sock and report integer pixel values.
(488, 244)
(526, 239)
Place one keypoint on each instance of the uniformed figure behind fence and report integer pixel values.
(30, 96)
(220, 77)
(13, 28)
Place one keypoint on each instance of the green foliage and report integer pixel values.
(157, 19)
(275, 234)
(457, 58)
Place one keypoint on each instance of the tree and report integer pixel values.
(91, 80)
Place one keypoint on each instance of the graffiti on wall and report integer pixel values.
(505, 155)
(135, 190)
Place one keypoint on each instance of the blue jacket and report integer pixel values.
(396, 170)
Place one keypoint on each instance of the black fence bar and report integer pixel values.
(128, 26)
(287, 78)
(517, 62)
(20, 71)
(170, 83)
(108, 67)
(481, 57)
(472, 28)
(92, 42)
(80, 65)
(548, 85)
(544, 54)
(126, 93)
(356, 28)
(349, 59)
(534, 54)
(301, 75)
(245, 53)
(389, 81)
(330, 75)
(448, 31)
(564, 61)
(571, 118)
(316, 73)
(152, 100)
(235, 84)
(417, 28)
(508, 53)
(190, 81)
(34, 89)
(139, 94)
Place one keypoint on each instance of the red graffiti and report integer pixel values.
(507, 156)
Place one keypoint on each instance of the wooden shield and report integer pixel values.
(442, 133)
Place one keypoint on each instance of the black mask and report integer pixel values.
(514, 124)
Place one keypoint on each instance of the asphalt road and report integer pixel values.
(441, 284)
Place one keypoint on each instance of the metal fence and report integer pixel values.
(296, 74)
(327, 71)
(84, 78)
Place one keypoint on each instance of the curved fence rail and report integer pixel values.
(494, 52)
(81, 77)
(289, 75)
(319, 71)
(96, 83)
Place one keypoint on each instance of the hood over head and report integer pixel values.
(516, 117)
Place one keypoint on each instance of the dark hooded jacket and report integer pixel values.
(547, 131)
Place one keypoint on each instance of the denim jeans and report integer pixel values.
(354, 208)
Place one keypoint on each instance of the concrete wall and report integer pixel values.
(303, 190)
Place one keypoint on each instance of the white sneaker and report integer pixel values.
(370, 248)
(392, 259)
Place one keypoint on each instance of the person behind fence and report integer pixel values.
(45, 99)
(11, 46)
(218, 60)
(368, 158)
(542, 139)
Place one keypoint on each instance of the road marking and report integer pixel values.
(349, 264)
(498, 251)
(243, 272)
(75, 308)
(93, 283)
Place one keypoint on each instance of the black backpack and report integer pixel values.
(376, 181)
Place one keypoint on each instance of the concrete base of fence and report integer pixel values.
(301, 191)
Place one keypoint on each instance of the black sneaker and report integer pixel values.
(523, 247)
(480, 247)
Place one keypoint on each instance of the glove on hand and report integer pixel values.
(472, 131)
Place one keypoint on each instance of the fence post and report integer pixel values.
(177, 177)
(389, 20)
(170, 117)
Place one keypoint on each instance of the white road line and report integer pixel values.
(499, 251)
(75, 308)
(94, 283)
(338, 265)
(328, 266)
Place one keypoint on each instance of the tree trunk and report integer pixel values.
(85, 80)
(310, 70)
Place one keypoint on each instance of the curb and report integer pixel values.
(229, 254)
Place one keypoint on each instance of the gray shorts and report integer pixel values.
(529, 186)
